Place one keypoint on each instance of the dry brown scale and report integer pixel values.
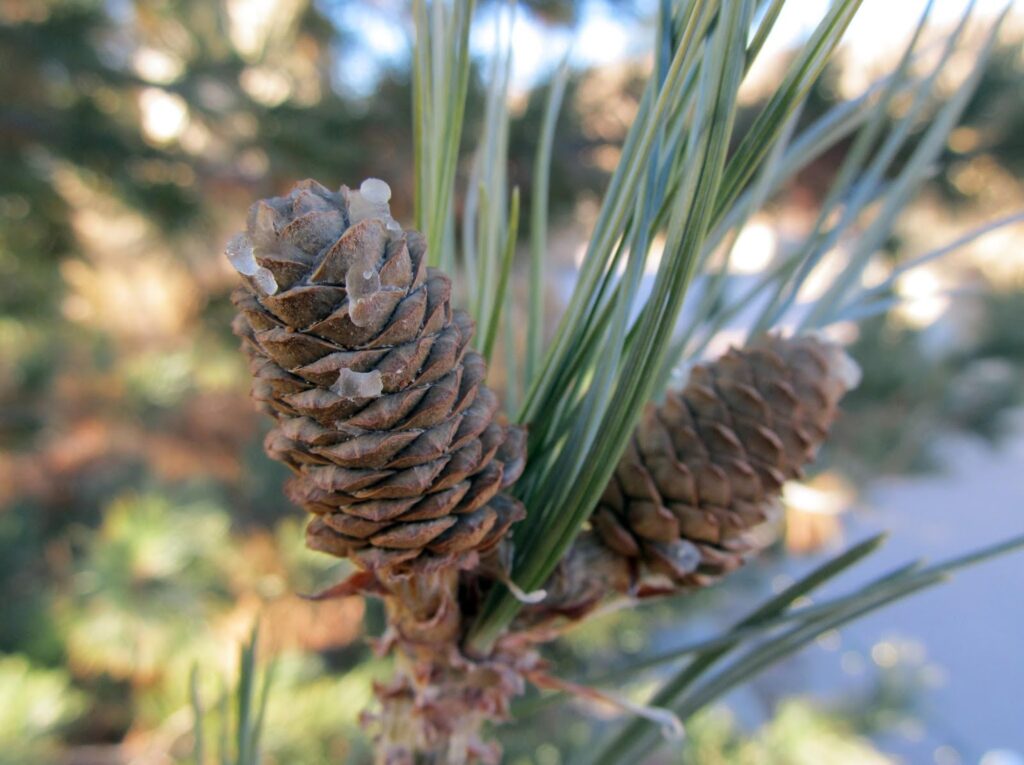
(380, 405)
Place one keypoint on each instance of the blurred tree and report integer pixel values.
(152, 578)
(311, 715)
(993, 122)
(799, 734)
(35, 705)
(173, 109)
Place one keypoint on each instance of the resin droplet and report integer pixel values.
(265, 281)
(355, 385)
(842, 366)
(371, 201)
(362, 282)
(240, 253)
(375, 191)
(848, 370)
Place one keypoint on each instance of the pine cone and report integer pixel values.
(380, 405)
(698, 487)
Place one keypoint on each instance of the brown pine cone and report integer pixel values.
(698, 487)
(380, 405)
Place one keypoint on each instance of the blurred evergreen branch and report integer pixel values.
(152, 572)
(290, 709)
(799, 734)
(35, 704)
(687, 692)
(250, 701)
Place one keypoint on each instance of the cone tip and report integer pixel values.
(845, 368)
(841, 365)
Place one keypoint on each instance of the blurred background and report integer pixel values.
(143, 531)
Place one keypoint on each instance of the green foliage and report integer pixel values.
(604, 364)
(149, 580)
(27, 625)
(539, 203)
(311, 716)
(909, 396)
(571, 400)
(250, 708)
(440, 85)
(799, 734)
(35, 704)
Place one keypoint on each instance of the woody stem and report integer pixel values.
(420, 722)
